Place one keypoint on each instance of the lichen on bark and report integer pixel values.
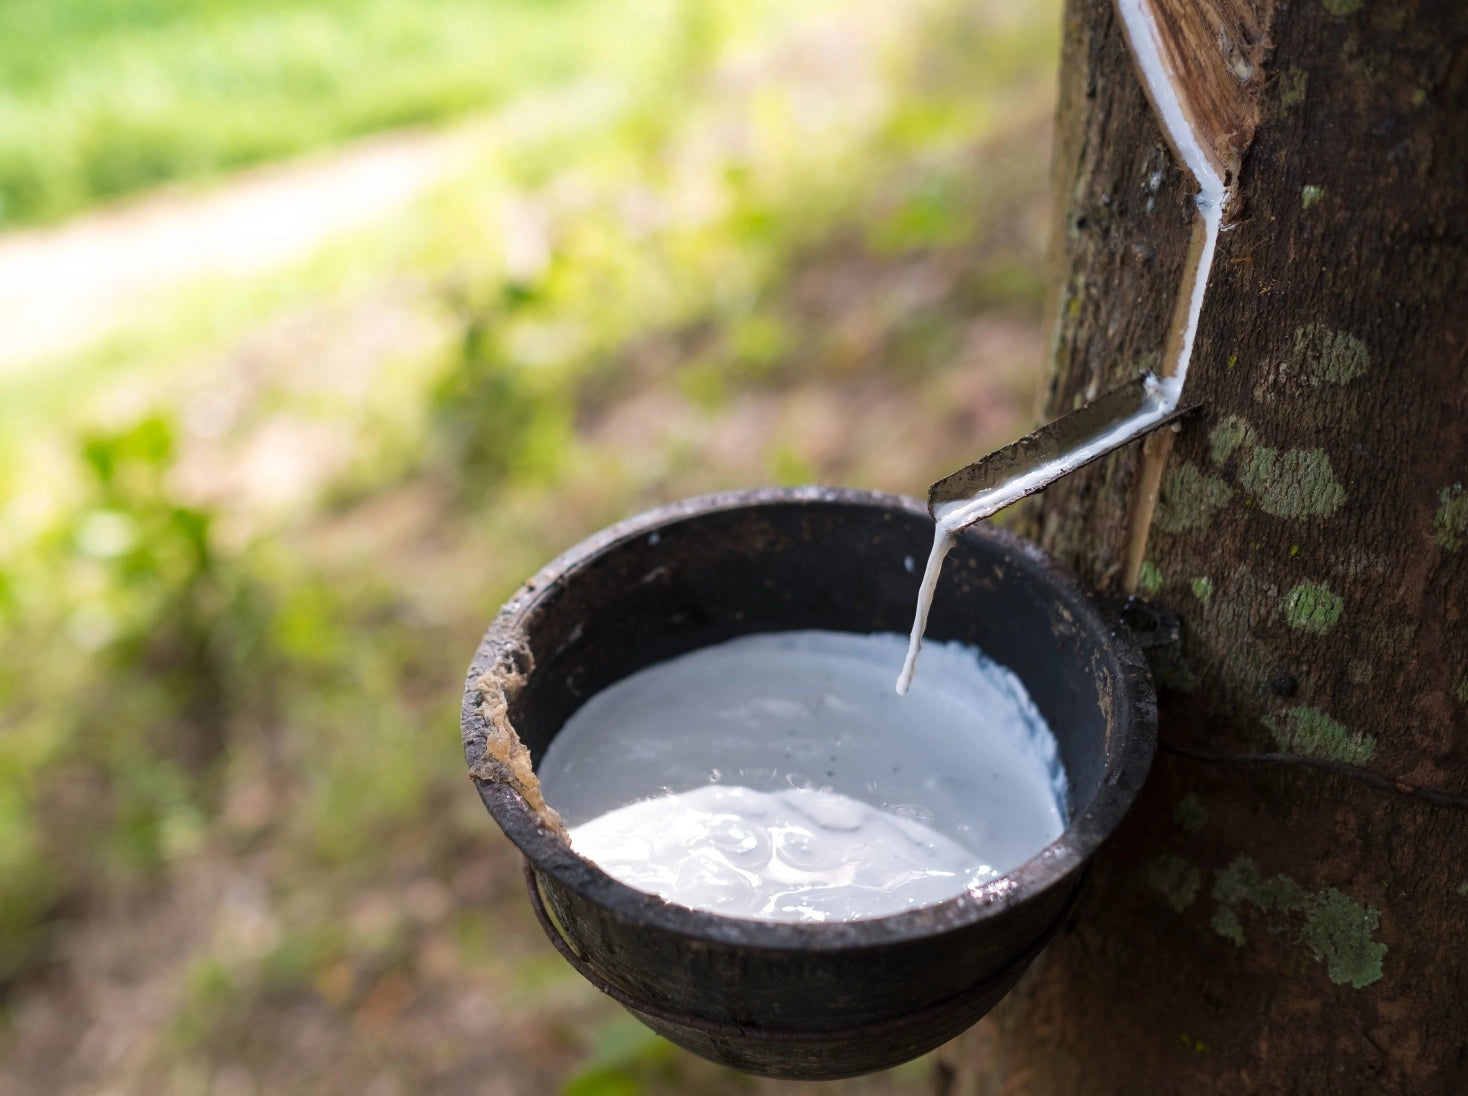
(1450, 523)
(1313, 607)
(1309, 732)
(1335, 929)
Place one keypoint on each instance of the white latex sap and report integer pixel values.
(1164, 392)
(778, 776)
(1161, 401)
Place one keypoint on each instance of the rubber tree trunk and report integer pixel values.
(1287, 908)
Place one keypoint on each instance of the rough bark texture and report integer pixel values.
(1296, 924)
(1215, 51)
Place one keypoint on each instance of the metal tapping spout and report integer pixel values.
(1056, 449)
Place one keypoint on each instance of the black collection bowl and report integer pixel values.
(802, 1000)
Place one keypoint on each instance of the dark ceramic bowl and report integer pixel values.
(804, 1000)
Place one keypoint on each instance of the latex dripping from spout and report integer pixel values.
(1118, 417)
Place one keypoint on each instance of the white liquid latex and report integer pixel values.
(796, 855)
(778, 776)
(1164, 392)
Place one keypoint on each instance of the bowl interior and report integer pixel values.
(657, 588)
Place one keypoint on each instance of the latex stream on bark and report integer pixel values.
(1118, 417)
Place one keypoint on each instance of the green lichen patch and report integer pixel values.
(1189, 498)
(1310, 194)
(1335, 929)
(1175, 879)
(1292, 85)
(1202, 588)
(1190, 813)
(1242, 882)
(1227, 924)
(1329, 356)
(1462, 690)
(1309, 732)
(1229, 433)
(1149, 579)
(1296, 483)
(1338, 931)
(1312, 607)
(1450, 526)
(1341, 7)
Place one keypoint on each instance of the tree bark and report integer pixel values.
(1286, 909)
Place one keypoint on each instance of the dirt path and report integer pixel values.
(65, 287)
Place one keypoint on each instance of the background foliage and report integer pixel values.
(248, 542)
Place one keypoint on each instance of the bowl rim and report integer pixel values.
(1133, 705)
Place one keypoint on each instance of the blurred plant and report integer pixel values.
(136, 644)
(122, 650)
(492, 416)
(627, 1057)
(162, 604)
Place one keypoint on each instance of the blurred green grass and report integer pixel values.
(797, 267)
(109, 97)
